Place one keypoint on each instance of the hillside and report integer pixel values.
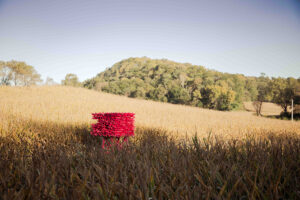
(178, 83)
(183, 83)
(75, 105)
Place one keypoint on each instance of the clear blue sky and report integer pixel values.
(85, 37)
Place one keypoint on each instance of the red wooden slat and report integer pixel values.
(113, 124)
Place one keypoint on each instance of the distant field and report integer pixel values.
(75, 105)
(267, 108)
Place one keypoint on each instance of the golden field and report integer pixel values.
(47, 152)
(75, 105)
(267, 108)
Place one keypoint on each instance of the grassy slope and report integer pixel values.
(75, 105)
(46, 152)
(267, 108)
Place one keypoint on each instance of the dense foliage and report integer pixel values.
(183, 83)
(71, 80)
(167, 81)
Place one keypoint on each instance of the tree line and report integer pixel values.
(167, 81)
(183, 83)
(18, 74)
(277, 90)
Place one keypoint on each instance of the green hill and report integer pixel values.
(179, 83)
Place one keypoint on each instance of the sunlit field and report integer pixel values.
(75, 105)
(47, 152)
(268, 109)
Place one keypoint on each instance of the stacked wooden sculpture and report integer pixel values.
(113, 127)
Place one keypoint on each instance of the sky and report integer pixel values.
(86, 37)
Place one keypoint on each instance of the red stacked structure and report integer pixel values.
(113, 126)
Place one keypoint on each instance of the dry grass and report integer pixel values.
(46, 151)
(75, 105)
(267, 108)
(51, 160)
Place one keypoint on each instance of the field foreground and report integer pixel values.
(46, 151)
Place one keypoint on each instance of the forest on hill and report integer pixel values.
(167, 81)
(184, 83)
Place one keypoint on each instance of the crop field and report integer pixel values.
(267, 108)
(75, 105)
(47, 152)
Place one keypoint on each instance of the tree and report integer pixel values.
(100, 85)
(261, 97)
(297, 99)
(158, 94)
(71, 80)
(258, 107)
(5, 74)
(179, 95)
(194, 86)
(138, 93)
(283, 91)
(196, 98)
(225, 100)
(251, 90)
(182, 79)
(18, 74)
(49, 81)
(238, 86)
(263, 93)
(219, 97)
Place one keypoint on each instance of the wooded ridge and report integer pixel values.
(184, 83)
